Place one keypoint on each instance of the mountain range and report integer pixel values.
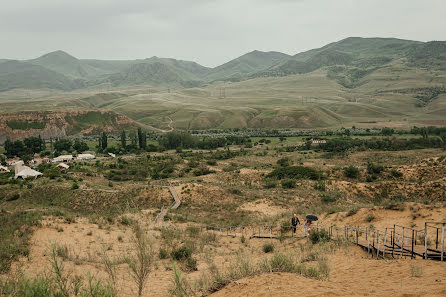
(347, 61)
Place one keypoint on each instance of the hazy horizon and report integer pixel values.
(209, 32)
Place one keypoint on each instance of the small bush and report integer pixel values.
(318, 236)
(211, 162)
(75, 186)
(320, 186)
(370, 218)
(163, 254)
(396, 173)
(125, 221)
(295, 172)
(235, 191)
(283, 162)
(181, 253)
(270, 184)
(13, 197)
(190, 264)
(193, 231)
(351, 172)
(374, 169)
(288, 183)
(328, 199)
(352, 211)
(268, 248)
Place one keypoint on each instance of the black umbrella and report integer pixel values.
(311, 218)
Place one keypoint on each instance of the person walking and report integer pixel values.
(307, 227)
(294, 222)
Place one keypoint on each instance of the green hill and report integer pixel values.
(61, 62)
(146, 73)
(22, 75)
(245, 66)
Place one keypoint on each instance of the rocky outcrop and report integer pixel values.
(61, 123)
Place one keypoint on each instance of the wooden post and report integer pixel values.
(384, 245)
(436, 240)
(368, 243)
(425, 241)
(377, 250)
(402, 243)
(393, 242)
(442, 243)
(413, 234)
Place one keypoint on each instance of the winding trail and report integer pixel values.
(177, 202)
(170, 125)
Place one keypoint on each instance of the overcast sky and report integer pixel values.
(209, 32)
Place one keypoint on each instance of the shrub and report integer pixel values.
(352, 212)
(75, 186)
(268, 248)
(211, 162)
(181, 253)
(13, 197)
(370, 218)
(328, 199)
(318, 236)
(190, 264)
(283, 162)
(351, 171)
(163, 254)
(193, 231)
(270, 184)
(125, 221)
(288, 183)
(282, 263)
(235, 191)
(320, 186)
(396, 173)
(295, 172)
(374, 169)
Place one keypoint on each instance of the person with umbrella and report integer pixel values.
(294, 222)
(309, 220)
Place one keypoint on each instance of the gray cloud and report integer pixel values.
(207, 31)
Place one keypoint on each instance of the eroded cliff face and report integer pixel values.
(61, 123)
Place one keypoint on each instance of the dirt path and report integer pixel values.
(170, 125)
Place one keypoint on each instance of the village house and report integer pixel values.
(85, 157)
(63, 166)
(63, 158)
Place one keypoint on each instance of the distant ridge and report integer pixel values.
(354, 57)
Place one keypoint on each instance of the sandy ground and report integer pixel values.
(264, 207)
(352, 272)
(351, 275)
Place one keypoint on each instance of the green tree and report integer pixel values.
(80, 146)
(123, 139)
(387, 131)
(104, 141)
(140, 138)
(63, 144)
(33, 144)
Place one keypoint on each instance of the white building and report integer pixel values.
(27, 172)
(63, 158)
(18, 166)
(63, 166)
(85, 157)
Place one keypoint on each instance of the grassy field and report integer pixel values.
(387, 97)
